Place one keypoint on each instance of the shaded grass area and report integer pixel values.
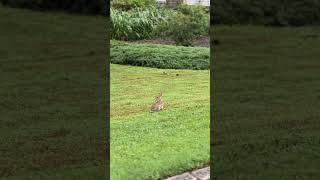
(52, 93)
(160, 56)
(151, 145)
(87, 172)
(265, 12)
(266, 103)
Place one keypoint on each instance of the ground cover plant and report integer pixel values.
(160, 56)
(202, 41)
(52, 93)
(266, 103)
(147, 145)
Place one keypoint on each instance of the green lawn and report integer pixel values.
(151, 145)
(266, 103)
(52, 96)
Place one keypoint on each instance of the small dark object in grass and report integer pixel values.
(91, 53)
(177, 74)
(66, 77)
(216, 42)
(165, 73)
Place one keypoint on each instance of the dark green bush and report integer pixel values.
(198, 15)
(181, 28)
(73, 6)
(266, 12)
(160, 56)
(187, 23)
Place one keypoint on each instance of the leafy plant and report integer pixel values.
(136, 23)
(198, 15)
(180, 28)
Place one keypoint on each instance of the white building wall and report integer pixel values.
(192, 2)
(201, 2)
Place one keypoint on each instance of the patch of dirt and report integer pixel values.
(203, 41)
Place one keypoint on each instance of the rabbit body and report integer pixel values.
(157, 105)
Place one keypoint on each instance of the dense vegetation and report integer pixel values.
(160, 56)
(266, 12)
(181, 24)
(78, 6)
(138, 23)
(266, 103)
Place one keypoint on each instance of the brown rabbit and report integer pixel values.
(158, 104)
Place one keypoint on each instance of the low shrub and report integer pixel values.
(160, 56)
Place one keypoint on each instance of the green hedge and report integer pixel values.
(160, 56)
(73, 6)
(266, 12)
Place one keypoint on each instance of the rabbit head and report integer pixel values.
(158, 98)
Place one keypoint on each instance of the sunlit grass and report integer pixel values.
(151, 145)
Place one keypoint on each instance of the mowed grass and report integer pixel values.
(52, 96)
(266, 103)
(152, 145)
